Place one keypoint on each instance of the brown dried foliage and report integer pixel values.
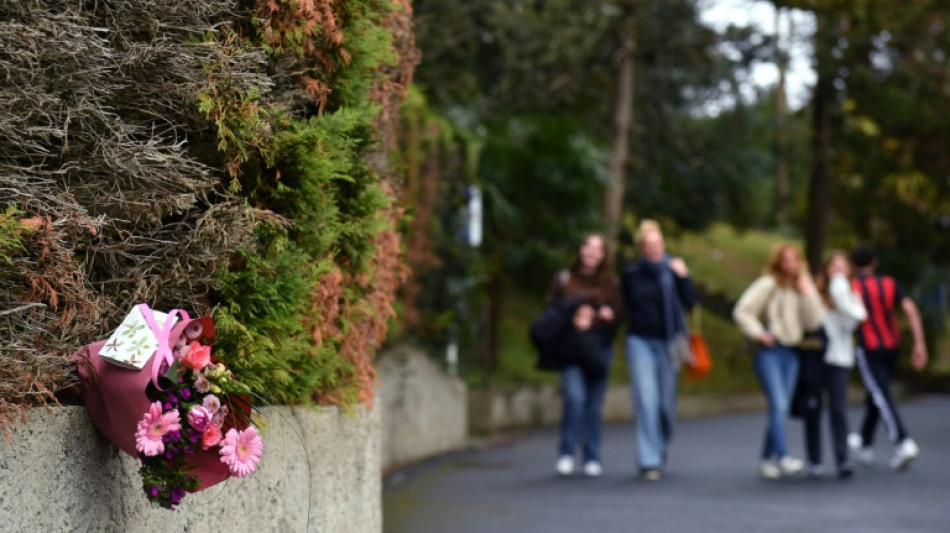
(317, 48)
(391, 89)
(366, 315)
(99, 102)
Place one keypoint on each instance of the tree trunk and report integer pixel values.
(819, 185)
(620, 134)
(781, 126)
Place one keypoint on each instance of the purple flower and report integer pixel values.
(193, 330)
(199, 418)
(153, 491)
(203, 385)
(211, 403)
(176, 496)
(166, 406)
(185, 394)
(175, 435)
(168, 454)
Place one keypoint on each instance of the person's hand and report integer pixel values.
(605, 313)
(584, 318)
(678, 266)
(804, 285)
(919, 356)
(767, 339)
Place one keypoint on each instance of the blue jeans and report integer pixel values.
(583, 406)
(654, 382)
(777, 369)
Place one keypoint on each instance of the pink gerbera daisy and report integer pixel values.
(241, 451)
(153, 426)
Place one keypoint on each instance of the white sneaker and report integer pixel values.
(565, 465)
(815, 471)
(790, 465)
(593, 469)
(905, 453)
(769, 470)
(858, 450)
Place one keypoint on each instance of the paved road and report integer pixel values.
(711, 486)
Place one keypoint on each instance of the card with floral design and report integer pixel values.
(133, 343)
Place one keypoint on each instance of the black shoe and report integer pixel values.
(845, 471)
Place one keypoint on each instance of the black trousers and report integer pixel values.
(877, 371)
(834, 380)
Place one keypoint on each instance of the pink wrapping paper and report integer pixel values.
(115, 399)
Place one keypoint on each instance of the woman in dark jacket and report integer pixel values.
(589, 290)
(657, 290)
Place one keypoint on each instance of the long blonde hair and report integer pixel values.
(646, 226)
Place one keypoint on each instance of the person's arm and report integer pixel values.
(684, 283)
(846, 301)
(919, 353)
(611, 311)
(749, 308)
(812, 310)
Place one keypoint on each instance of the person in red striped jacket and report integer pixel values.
(877, 353)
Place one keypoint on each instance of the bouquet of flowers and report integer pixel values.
(182, 414)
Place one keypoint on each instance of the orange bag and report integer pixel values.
(702, 363)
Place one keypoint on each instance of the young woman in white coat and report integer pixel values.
(844, 313)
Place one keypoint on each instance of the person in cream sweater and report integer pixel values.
(775, 312)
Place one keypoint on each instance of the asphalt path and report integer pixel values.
(711, 485)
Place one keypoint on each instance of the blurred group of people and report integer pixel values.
(802, 331)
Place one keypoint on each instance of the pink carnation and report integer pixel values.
(199, 418)
(211, 437)
(197, 357)
(153, 426)
(241, 451)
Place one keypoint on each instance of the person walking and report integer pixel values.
(844, 312)
(878, 343)
(589, 291)
(656, 291)
(775, 312)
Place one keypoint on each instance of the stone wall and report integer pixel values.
(492, 410)
(424, 410)
(320, 473)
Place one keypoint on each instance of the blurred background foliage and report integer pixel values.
(533, 87)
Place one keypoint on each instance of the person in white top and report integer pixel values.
(844, 313)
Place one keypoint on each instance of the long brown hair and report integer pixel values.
(823, 281)
(774, 265)
(605, 274)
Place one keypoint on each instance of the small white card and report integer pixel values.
(132, 344)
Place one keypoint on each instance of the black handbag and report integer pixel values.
(811, 355)
(550, 332)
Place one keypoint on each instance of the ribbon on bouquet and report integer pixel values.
(164, 352)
